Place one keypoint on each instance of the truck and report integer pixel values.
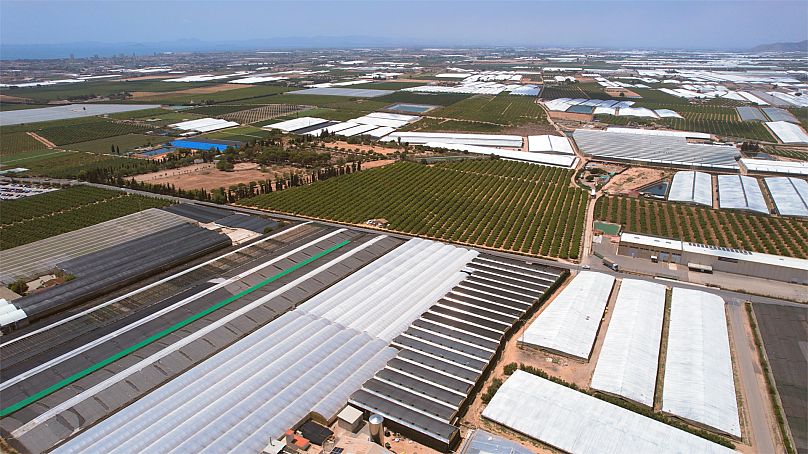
(613, 266)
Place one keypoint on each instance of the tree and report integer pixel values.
(224, 165)
(19, 287)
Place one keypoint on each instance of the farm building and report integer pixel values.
(715, 258)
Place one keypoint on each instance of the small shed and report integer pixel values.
(350, 418)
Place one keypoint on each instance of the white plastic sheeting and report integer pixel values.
(657, 132)
(485, 140)
(699, 383)
(566, 161)
(204, 125)
(741, 192)
(384, 297)
(549, 144)
(790, 195)
(692, 187)
(357, 130)
(248, 393)
(296, 123)
(783, 167)
(575, 422)
(9, 313)
(655, 149)
(569, 324)
(788, 132)
(627, 364)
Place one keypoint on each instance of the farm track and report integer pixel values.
(42, 140)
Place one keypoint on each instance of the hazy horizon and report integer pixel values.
(205, 25)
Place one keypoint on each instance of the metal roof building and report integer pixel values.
(790, 195)
(692, 187)
(443, 356)
(576, 422)
(741, 192)
(699, 384)
(654, 149)
(627, 364)
(569, 323)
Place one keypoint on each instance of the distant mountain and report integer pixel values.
(801, 46)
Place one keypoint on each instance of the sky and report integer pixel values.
(611, 24)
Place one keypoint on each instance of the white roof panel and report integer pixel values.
(550, 144)
(627, 365)
(741, 192)
(767, 166)
(570, 322)
(566, 161)
(699, 384)
(491, 140)
(788, 132)
(576, 422)
(356, 130)
(296, 123)
(368, 120)
(381, 132)
(692, 187)
(790, 195)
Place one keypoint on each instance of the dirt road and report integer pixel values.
(41, 139)
(751, 377)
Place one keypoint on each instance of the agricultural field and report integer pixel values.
(724, 125)
(263, 113)
(97, 89)
(169, 118)
(788, 153)
(60, 164)
(575, 90)
(5, 106)
(734, 229)
(43, 216)
(23, 158)
(503, 109)
(18, 142)
(435, 99)
(134, 114)
(214, 111)
(242, 133)
(83, 132)
(498, 204)
(387, 85)
(125, 143)
(801, 114)
(438, 124)
(247, 95)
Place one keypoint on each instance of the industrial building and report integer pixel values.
(706, 258)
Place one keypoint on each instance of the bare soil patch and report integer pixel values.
(206, 176)
(13, 99)
(379, 163)
(617, 91)
(634, 178)
(368, 148)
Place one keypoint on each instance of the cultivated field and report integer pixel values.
(125, 143)
(17, 142)
(57, 164)
(42, 216)
(83, 132)
(768, 234)
(498, 204)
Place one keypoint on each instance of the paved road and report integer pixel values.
(750, 378)
(596, 265)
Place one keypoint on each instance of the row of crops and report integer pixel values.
(18, 142)
(66, 134)
(34, 229)
(700, 123)
(503, 109)
(498, 204)
(735, 229)
(53, 202)
(81, 165)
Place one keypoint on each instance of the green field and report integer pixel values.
(43, 216)
(21, 159)
(247, 95)
(801, 155)
(212, 111)
(493, 203)
(62, 135)
(728, 228)
(55, 164)
(17, 142)
(439, 124)
(125, 143)
(144, 113)
(722, 124)
(243, 134)
(4, 106)
(504, 109)
(574, 90)
(97, 88)
(386, 85)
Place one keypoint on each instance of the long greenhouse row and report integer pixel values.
(497, 204)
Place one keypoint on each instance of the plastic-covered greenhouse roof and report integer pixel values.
(741, 192)
(692, 187)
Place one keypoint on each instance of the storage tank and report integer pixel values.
(376, 424)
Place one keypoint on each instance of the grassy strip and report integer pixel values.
(645, 411)
(778, 411)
